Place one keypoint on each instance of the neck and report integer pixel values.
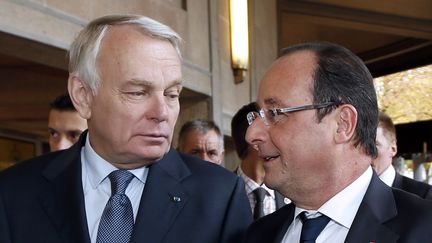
(321, 188)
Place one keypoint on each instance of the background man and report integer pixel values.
(65, 124)
(121, 182)
(387, 148)
(262, 199)
(316, 133)
(203, 139)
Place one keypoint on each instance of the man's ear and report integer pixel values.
(393, 147)
(346, 123)
(80, 95)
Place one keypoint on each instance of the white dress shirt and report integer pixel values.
(250, 186)
(97, 186)
(341, 209)
(388, 176)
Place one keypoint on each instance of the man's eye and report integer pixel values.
(273, 113)
(53, 133)
(213, 153)
(173, 94)
(136, 93)
(194, 152)
(74, 135)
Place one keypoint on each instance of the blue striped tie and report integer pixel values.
(117, 219)
(312, 227)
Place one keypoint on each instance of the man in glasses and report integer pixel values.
(262, 199)
(315, 131)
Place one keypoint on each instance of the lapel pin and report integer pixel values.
(176, 199)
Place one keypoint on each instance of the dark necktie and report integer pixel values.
(117, 220)
(259, 206)
(312, 227)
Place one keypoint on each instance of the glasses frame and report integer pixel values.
(251, 116)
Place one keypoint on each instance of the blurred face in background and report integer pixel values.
(387, 149)
(64, 128)
(206, 146)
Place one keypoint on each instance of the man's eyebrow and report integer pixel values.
(139, 82)
(176, 83)
(272, 101)
(146, 83)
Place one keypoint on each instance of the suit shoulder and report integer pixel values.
(412, 203)
(26, 169)
(417, 187)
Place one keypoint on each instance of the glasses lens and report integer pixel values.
(270, 115)
(251, 116)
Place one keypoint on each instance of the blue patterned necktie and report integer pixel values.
(117, 219)
(312, 227)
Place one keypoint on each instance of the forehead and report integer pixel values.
(127, 51)
(196, 138)
(288, 80)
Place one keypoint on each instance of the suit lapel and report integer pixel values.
(162, 200)
(63, 199)
(281, 231)
(378, 206)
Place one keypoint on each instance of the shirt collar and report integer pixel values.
(388, 176)
(343, 207)
(99, 168)
(251, 185)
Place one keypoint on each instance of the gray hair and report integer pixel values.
(85, 48)
(202, 126)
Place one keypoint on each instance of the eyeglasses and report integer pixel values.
(270, 116)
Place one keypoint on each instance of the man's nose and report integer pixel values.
(64, 143)
(158, 108)
(256, 132)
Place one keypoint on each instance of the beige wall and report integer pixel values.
(204, 26)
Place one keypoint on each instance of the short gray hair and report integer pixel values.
(85, 48)
(202, 126)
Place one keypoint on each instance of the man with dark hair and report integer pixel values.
(315, 131)
(65, 124)
(203, 139)
(262, 199)
(122, 182)
(387, 148)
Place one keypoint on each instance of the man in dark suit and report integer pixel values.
(122, 182)
(316, 133)
(387, 148)
(251, 168)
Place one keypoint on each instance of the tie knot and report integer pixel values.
(120, 179)
(260, 194)
(312, 227)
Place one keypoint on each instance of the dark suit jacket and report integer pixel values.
(386, 215)
(421, 189)
(41, 200)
